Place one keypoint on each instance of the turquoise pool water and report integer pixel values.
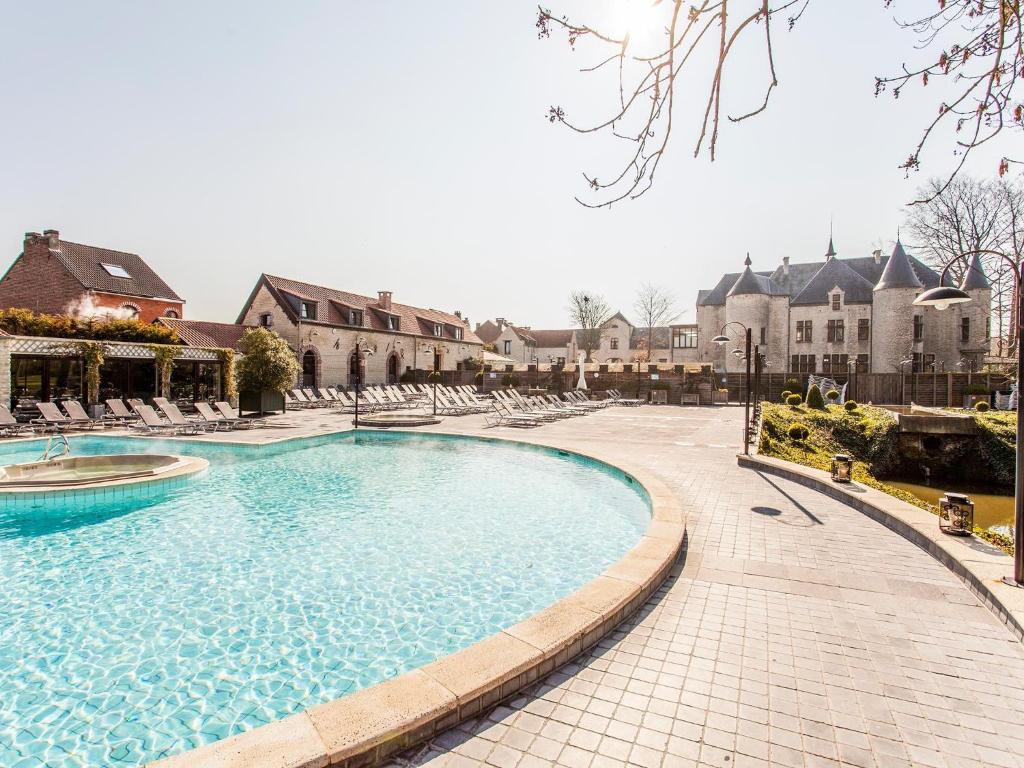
(281, 578)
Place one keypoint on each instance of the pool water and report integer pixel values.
(283, 577)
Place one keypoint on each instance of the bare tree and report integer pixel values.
(967, 214)
(654, 307)
(588, 312)
(981, 58)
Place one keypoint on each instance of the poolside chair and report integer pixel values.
(514, 408)
(290, 403)
(151, 423)
(134, 403)
(629, 402)
(343, 398)
(174, 415)
(577, 398)
(399, 397)
(457, 398)
(10, 426)
(119, 412)
(225, 410)
(448, 408)
(215, 420)
(327, 397)
(538, 403)
(302, 397)
(77, 413)
(499, 418)
(52, 417)
(316, 399)
(564, 406)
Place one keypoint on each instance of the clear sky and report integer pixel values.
(404, 146)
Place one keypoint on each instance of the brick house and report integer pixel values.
(64, 278)
(323, 325)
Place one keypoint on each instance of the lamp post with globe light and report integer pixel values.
(945, 296)
(721, 339)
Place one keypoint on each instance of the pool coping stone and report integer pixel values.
(365, 727)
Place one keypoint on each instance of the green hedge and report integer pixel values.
(24, 322)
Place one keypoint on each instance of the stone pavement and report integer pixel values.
(797, 632)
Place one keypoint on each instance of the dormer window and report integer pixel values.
(307, 310)
(438, 329)
(116, 270)
(355, 317)
(392, 323)
(837, 299)
(458, 333)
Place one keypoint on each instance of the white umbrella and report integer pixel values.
(582, 383)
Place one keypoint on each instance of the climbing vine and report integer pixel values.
(92, 353)
(164, 356)
(227, 358)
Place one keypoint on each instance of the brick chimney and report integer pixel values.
(785, 265)
(52, 238)
(384, 300)
(878, 256)
(500, 321)
(458, 313)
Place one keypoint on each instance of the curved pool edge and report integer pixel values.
(367, 726)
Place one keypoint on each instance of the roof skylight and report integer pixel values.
(116, 270)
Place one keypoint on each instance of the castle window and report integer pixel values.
(863, 329)
(836, 301)
(266, 320)
(613, 343)
(803, 331)
(965, 329)
(355, 317)
(988, 327)
(803, 364)
(508, 347)
(764, 335)
(918, 327)
(307, 310)
(392, 323)
(836, 330)
(862, 363)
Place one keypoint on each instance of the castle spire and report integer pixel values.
(898, 272)
(974, 277)
(831, 253)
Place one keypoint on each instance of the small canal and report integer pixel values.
(992, 510)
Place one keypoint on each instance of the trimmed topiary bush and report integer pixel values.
(794, 400)
(981, 406)
(798, 431)
(850, 406)
(814, 398)
(832, 395)
(785, 395)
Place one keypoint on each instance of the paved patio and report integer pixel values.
(797, 632)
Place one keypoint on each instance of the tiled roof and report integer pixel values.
(751, 282)
(526, 334)
(974, 278)
(552, 338)
(898, 272)
(199, 333)
(84, 262)
(488, 331)
(412, 320)
(618, 316)
(716, 296)
(834, 272)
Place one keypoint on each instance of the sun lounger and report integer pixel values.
(225, 410)
(290, 403)
(151, 423)
(497, 417)
(174, 415)
(119, 412)
(52, 417)
(10, 426)
(567, 407)
(513, 407)
(629, 402)
(215, 420)
(447, 408)
(458, 399)
(77, 413)
(578, 398)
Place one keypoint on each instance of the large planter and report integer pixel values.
(267, 401)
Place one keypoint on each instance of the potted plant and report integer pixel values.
(974, 394)
(266, 368)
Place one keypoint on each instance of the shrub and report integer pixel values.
(832, 395)
(981, 406)
(863, 425)
(434, 377)
(850, 406)
(798, 431)
(794, 400)
(785, 395)
(814, 398)
(24, 322)
(267, 364)
(407, 377)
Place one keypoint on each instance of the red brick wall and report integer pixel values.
(38, 281)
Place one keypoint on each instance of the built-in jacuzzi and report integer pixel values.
(85, 485)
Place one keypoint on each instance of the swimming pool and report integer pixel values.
(286, 576)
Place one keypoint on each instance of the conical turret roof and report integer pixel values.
(898, 272)
(831, 253)
(749, 282)
(974, 277)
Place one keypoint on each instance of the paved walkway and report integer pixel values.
(797, 632)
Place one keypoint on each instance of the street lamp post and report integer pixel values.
(942, 298)
(361, 349)
(723, 339)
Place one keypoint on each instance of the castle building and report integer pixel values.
(837, 315)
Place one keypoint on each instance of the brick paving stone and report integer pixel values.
(795, 633)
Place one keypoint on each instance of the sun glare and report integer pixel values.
(642, 20)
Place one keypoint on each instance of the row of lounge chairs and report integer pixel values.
(170, 420)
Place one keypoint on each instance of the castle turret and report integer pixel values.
(892, 313)
(747, 303)
(972, 332)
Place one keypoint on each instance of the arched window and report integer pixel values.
(171, 314)
(130, 311)
(309, 368)
(393, 368)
